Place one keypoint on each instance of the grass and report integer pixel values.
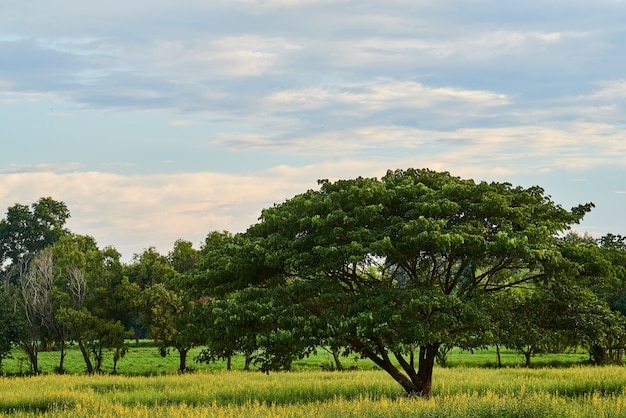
(459, 392)
(145, 360)
(148, 386)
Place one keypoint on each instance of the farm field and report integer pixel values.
(149, 387)
(459, 392)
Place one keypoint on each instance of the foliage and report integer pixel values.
(149, 268)
(28, 230)
(156, 293)
(11, 326)
(387, 264)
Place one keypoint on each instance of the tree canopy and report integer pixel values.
(387, 265)
(26, 230)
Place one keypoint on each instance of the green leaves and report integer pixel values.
(386, 264)
(27, 230)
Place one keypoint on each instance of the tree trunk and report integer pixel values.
(527, 355)
(414, 383)
(62, 357)
(86, 358)
(337, 359)
(426, 364)
(32, 351)
(116, 358)
(99, 356)
(498, 354)
(246, 366)
(182, 353)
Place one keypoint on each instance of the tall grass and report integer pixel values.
(458, 392)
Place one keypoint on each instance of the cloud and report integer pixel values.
(287, 91)
(383, 95)
(5, 85)
(609, 90)
(134, 212)
(182, 123)
(42, 167)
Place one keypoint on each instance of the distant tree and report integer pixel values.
(171, 321)
(28, 230)
(527, 321)
(88, 305)
(228, 326)
(149, 268)
(11, 326)
(183, 256)
(155, 291)
(452, 240)
(613, 249)
(145, 270)
(34, 296)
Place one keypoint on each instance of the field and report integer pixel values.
(145, 360)
(460, 391)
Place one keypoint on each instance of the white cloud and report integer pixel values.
(611, 90)
(185, 62)
(279, 3)
(5, 85)
(182, 123)
(42, 167)
(135, 212)
(360, 100)
(563, 144)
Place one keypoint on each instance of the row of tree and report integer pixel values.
(398, 270)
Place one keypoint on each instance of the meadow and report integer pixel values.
(470, 388)
(145, 360)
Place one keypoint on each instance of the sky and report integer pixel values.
(162, 120)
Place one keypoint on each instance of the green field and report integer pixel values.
(149, 386)
(145, 360)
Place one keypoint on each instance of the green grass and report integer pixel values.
(145, 360)
(471, 387)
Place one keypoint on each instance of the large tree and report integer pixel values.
(383, 266)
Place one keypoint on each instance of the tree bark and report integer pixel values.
(426, 364)
(86, 358)
(182, 353)
(414, 383)
(62, 357)
(527, 356)
(32, 351)
(498, 354)
(99, 356)
(116, 358)
(337, 359)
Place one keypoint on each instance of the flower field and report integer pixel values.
(458, 392)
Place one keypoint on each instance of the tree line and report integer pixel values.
(398, 270)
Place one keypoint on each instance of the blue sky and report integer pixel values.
(158, 120)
